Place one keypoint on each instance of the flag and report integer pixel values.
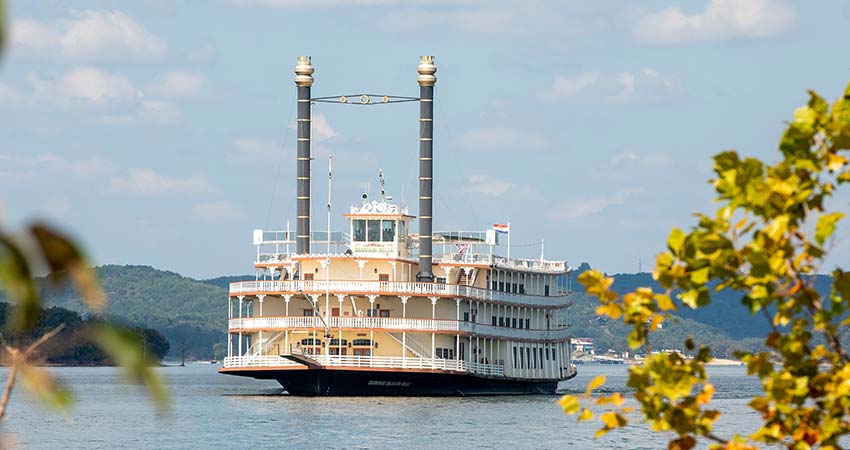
(501, 227)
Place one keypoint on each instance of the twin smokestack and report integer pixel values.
(304, 80)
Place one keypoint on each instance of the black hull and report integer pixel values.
(340, 382)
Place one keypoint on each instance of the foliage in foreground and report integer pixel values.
(771, 232)
(74, 344)
(43, 249)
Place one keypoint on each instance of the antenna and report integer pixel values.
(381, 180)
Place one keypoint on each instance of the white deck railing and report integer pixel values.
(258, 361)
(410, 288)
(536, 265)
(395, 323)
(379, 362)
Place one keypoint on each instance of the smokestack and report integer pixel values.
(426, 80)
(303, 79)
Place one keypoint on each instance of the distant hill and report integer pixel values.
(73, 345)
(224, 282)
(191, 314)
(725, 312)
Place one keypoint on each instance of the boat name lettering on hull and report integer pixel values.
(389, 383)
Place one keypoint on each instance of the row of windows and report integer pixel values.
(354, 351)
(336, 342)
(529, 359)
(335, 312)
(501, 286)
(445, 353)
(510, 322)
(376, 230)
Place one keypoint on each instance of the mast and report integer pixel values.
(303, 79)
(426, 80)
(328, 267)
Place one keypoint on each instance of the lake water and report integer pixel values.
(210, 410)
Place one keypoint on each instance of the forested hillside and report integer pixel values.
(190, 313)
(74, 344)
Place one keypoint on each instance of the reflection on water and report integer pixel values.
(211, 410)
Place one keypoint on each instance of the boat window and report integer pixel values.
(359, 230)
(338, 343)
(401, 230)
(362, 342)
(374, 230)
(388, 230)
(311, 342)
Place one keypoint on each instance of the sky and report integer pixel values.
(161, 132)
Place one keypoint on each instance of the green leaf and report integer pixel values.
(125, 349)
(39, 382)
(17, 280)
(65, 259)
(826, 226)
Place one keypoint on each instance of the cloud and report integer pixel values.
(502, 139)
(147, 113)
(101, 97)
(320, 129)
(217, 211)
(630, 160)
(475, 20)
(310, 3)
(573, 86)
(19, 167)
(721, 20)
(87, 85)
(82, 88)
(179, 85)
(484, 184)
(147, 183)
(257, 147)
(575, 209)
(88, 36)
(645, 86)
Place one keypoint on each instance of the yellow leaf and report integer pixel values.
(612, 420)
(615, 399)
(664, 302)
(707, 393)
(836, 162)
(597, 381)
(700, 276)
(586, 414)
(804, 116)
(569, 403)
(676, 240)
(611, 310)
(600, 432)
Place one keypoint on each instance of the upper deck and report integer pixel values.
(380, 230)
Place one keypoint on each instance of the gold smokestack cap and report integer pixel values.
(304, 71)
(426, 70)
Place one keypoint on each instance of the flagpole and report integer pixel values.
(509, 240)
